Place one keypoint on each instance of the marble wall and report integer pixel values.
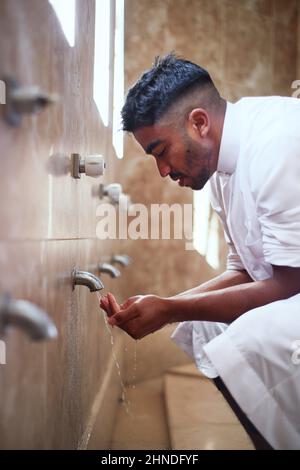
(51, 392)
(249, 47)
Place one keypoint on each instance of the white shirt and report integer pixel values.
(256, 192)
(256, 188)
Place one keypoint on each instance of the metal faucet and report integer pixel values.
(84, 278)
(27, 316)
(123, 260)
(108, 268)
(22, 100)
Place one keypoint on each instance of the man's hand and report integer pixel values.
(139, 315)
(110, 305)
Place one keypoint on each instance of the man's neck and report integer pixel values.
(218, 129)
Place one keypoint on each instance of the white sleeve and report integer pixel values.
(233, 259)
(216, 199)
(275, 182)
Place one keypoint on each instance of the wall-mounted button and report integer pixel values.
(92, 165)
(113, 191)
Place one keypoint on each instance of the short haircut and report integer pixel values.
(170, 78)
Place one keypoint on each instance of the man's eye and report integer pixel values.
(160, 154)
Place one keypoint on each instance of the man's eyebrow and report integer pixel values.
(153, 144)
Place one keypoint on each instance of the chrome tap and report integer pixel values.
(22, 100)
(123, 260)
(84, 278)
(109, 269)
(27, 316)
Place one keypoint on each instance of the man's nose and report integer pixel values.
(164, 169)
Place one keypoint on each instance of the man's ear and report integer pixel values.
(199, 122)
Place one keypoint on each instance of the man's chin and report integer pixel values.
(197, 186)
(191, 183)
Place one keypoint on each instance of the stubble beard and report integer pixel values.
(192, 161)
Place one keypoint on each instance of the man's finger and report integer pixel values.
(128, 302)
(104, 303)
(125, 304)
(123, 316)
(114, 306)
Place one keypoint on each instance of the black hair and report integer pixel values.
(156, 90)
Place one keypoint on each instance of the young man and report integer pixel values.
(244, 325)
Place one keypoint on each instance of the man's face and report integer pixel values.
(185, 158)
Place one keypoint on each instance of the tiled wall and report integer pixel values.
(249, 47)
(48, 221)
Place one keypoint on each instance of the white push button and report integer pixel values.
(113, 191)
(94, 165)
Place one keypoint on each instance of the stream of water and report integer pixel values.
(124, 397)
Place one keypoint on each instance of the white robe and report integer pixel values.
(256, 192)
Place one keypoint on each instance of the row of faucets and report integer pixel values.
(36, 322)
(21, 100)
(91, 281)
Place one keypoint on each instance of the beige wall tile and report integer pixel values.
(247, 48)
(262, 7)
(284, 47)
(35, 157)
(24, 375)
(48, 389)
(285, 10)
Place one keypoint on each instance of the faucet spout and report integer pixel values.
(109, 269)
(123, 260)
(84, 278)
(27, 316)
